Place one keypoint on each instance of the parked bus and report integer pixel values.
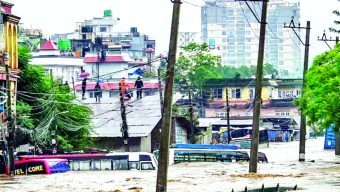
(178, 155)
(110, 161)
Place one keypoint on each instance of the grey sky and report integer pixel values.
(152, 17)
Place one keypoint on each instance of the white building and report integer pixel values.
(114, 65)
(67, 69)
(229, 27)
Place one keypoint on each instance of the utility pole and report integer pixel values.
(228, 114)
(258, 88)
(302, 146)
(162, 172)
(124, 129)
(10, 125)
(192, 128)
(325, 39)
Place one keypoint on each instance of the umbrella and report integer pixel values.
(84, 75)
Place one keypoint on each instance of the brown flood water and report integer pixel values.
(323, 175)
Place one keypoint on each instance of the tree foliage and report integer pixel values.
(320, 101)
(196, 64)
(44, 104)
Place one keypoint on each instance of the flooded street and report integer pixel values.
(283, 168)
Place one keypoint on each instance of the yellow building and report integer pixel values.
(9, 49)
(241, 91)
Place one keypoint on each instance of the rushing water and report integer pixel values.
(323, 175)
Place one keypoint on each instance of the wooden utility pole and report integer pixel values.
(10, 125)
(258, 93)
(162, 172)
(302, 146)
(228, 114)
(124, 130)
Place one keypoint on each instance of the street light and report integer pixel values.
(54, 134)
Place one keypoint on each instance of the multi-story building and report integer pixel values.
(230, 27)
(8, 56)
(277, 97)
(65, 68)
(83, 38)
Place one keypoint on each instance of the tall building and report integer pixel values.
(230, 27)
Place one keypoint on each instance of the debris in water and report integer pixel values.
(258, 176)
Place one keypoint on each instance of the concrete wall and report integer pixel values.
(145, 144)
(116, 143)
(105, 68)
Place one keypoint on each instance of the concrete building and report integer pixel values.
(8, 56)
(113, 66)
(277, 97)
(65, 68)
(230, 28)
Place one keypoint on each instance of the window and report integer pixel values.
(134, 165)
(102, 29)
(147, 166)
(218, 93)
(224, 33)
(106, 164)
(95, 165)
(221, 114)
(236, 93)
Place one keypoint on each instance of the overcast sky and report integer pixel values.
(152, 17)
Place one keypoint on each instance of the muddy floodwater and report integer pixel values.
(320, 173)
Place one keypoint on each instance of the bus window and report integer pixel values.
(120, 164)
(84, 165)
(95, 165)
(134, 165)
(106, 164)
(147, 166)
(74, 165)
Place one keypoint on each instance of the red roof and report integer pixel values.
(108, 59)
(114, 85)
(49, 45)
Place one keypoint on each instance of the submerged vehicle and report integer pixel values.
(178, 155)
(110, 161)
(35, 166)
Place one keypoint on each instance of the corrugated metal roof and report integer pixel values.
(142, 116)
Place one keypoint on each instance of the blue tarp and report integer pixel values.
(205, 146)
(330, 138)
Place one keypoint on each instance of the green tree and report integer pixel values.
(196, 64)
(320, 101)
(44, 104)
(268, 69)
